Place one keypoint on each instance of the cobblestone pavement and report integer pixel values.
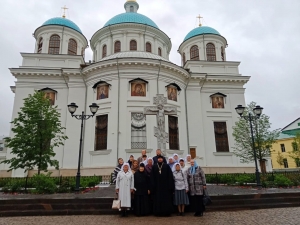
(110, 192)
(286, 216)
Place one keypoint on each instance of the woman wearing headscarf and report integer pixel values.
(184, 168)
(188, 159)
(117, 170)
(135, 166)
(181, 189)
(142, 187)
(171, 162)
(197, 184)
(124, 188)
(175, 157)
(148, 167)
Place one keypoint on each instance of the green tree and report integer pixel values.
(264, 137)
(295, 153)
(37, 130)
(280, 159)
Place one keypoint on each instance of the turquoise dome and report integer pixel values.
(60, 21)
(201, 30)
(131, 17)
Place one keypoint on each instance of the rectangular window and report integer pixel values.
(138, 131)
(1, 146)
(285, 163)
(101, 132)
(221, 137)
(282, 147)
(173, 133)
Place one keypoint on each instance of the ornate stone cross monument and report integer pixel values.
(160, 110)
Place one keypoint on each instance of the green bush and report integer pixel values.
(226, 179)
(282, 181)
(244, 179)
(44, 184)
(13, 186)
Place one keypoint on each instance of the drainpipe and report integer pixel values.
(144, 47)
(186, 114)
(158, 76)
(85, 106)
(62, 40)
(118, 126)
(112, 45)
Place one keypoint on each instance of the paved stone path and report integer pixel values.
(286, 216)
(110, 192)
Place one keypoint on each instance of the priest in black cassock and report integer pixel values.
(163, 186)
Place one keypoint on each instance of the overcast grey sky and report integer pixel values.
(262, 34)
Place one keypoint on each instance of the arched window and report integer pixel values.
(104, 51)
(194, 52)
(131, 9)
(210, 52)
(159, 52)
(72, 47)
(222, 53)
(54, 44)
(133, 45)
(40, 45)
(148, 47)
(117, 46)
(183, 58)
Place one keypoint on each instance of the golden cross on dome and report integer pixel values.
(199, 17)
(64, 8)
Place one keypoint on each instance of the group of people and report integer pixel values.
(153, 185)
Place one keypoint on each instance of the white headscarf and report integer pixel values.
(126, 164)
(174, 167)
(180, 160)
(171, 158)
(187, 157)
(149, 158)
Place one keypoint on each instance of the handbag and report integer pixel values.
(116, 204)
(206, 199)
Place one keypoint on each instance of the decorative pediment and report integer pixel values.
(175, 85)
(138, 80)
(48, 90)
(100, 82)
(218, 93)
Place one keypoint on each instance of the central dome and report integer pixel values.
(131, 17)
(60, 21)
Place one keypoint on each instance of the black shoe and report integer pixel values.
(179, 214)
(182, 214)
(196, 214)
(125, 213)
(122, 213)
(201, 214)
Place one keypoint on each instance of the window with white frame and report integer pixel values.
(138, 131)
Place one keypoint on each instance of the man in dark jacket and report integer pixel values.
(158, 153)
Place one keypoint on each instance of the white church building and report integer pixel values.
(130, 67)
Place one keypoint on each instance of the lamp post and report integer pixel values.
(72, 108)
(257, 111)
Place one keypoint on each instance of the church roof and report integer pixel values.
(131, 17)
(134, 54)
(60, 21)
(201, 30)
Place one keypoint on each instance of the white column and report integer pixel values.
(124, 45)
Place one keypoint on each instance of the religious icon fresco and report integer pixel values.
(50, 96)
(217, 102)
(172, 93)
(102, 92)
(138, 89)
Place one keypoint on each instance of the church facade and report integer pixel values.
(130, 67)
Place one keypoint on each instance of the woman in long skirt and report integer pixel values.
(124, 188)
(197, 184)
(142, 191)
(181, 189)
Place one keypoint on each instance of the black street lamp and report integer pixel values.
(250, 117)
(72, 108)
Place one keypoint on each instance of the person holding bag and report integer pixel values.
(181, 189)
(124, 188)
(197, 185)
